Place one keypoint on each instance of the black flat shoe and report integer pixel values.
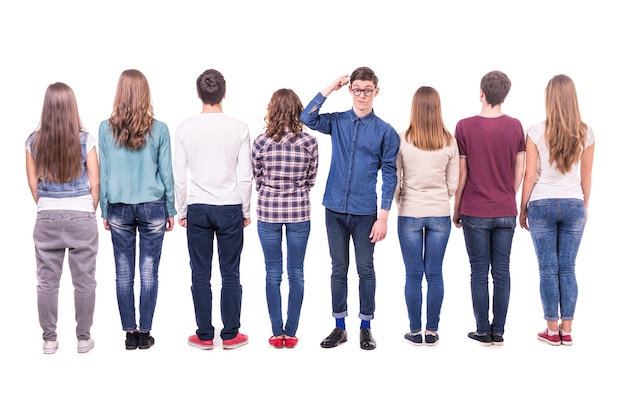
(132, 340)
(367, 341)
(145, 340)
(336, 337)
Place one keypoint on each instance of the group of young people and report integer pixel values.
(208, 184)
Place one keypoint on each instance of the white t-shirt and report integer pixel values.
(212, 162)
(551, 183)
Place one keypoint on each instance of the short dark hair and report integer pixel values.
(496, 86)
(211, 87)
(365, 74)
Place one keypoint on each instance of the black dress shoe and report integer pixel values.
(336, 337)
(367, 341)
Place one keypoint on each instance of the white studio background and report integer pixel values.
(260, 47)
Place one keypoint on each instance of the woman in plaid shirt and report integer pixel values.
(284, 160)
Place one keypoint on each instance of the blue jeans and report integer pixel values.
(204, 223)
(556, 227)
(488, 242)
(126, 220)
(423, 243)
(340, 227)
(271, 237)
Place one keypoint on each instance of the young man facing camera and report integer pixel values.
(362, 145)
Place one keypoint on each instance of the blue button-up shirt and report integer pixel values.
(360, 148)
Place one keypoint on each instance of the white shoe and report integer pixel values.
(50, 347)
(85, 345)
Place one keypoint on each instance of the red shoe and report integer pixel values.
(566, 338)
(238, 341)
(194, 341)
(290, 342)
(550, 339)
(277, 342)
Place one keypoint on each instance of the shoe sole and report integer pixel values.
(51, 350)
(567, 343)
(85, 349)
(233, 346)
(544, 340)
(414, 343)
(368, 347)
(199, 346)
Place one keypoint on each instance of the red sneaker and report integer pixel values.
(550, 339)
(194, 341)
(277, 342)
(566, 339)
(290, 342)
(238, 341)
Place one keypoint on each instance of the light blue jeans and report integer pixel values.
(271, 237)
(423, 242)
(556, 227)
(126, 220)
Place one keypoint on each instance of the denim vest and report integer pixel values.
(73, 188)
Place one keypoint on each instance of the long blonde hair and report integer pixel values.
(132, 115)
(426, 129)
(565, 131)
(56, 148)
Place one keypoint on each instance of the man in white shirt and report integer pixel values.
(213, 184)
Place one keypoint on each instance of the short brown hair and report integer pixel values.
(496, 86)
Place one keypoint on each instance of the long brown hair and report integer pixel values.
(565, 132)
(132, 115)
(426, 129)
(283, 114)
(56, 147)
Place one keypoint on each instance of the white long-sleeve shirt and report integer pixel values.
(212, 163)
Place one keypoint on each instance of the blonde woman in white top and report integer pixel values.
(428, 176)
(555, 195)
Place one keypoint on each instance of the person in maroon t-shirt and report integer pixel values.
(492, 151)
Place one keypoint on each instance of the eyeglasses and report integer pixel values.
(366, 92)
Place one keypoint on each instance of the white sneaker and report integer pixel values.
(85, 345)
(50, 347)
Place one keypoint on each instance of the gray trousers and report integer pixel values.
(55, 232)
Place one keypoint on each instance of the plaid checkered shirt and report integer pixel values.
(284, 172)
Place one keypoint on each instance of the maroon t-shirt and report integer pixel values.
(490, 146)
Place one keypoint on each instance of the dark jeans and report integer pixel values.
(488, 242)
(204, 223)
(340, 227)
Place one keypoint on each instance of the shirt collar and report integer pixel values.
(354, 117)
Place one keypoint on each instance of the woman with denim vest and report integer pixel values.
(136, 196)
(63, 176)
